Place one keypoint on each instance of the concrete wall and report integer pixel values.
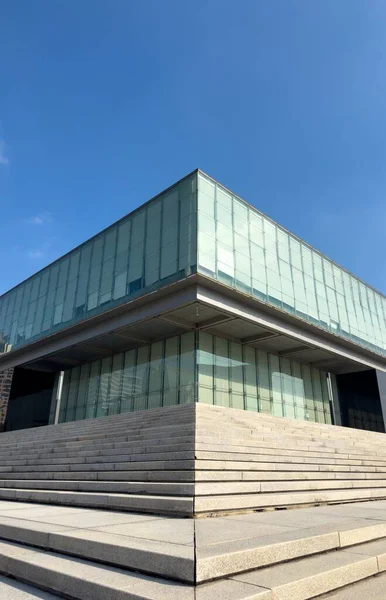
(5, 390)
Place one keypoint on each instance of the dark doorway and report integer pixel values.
(30, 399)
(359, 400)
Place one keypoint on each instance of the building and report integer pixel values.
(193, 297)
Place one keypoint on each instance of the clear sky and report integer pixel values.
(104, 103)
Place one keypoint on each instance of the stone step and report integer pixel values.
(350, 439)
(255, 487)
(114, 459)
(174, 505)
(322, 451)
(211, 475)
(236, 437)
(122, 487)
(223, 552)
(235, 465)
(310, 577)
(188, 446)
(106, 449)
(124, 434)
(174, 453)
(258, 435)
(144, 448)
(372, 588)
(83, 429)
(241, 417)
(187, 551)
(139, 475)
(254, 422)
(141, 465)
(336, 565)
(145, 415)
(259, 501)
(111, 545)
(199, 477)
(85, 580)
(109, 441)
(298, 459)
(117, 432)
(100, 425)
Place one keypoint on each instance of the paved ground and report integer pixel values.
(179, 532)
(14, 590)
(213, 535)
(166, 546)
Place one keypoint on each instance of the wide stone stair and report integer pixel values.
(135, 461)
(192, 460)
(97, 510)
(247, 461)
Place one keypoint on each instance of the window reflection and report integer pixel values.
(147, 249)
(233, 375)
(150, 376)
(247, 251)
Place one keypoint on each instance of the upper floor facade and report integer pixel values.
(194, 227)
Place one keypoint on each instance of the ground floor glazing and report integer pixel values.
(194, 367)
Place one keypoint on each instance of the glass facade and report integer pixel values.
(157, 244)
(194, 367)
(244, 249)
(237, 376)
(151, 376)
(151, 247)
(195, 226)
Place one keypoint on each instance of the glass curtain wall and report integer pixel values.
(151, 247)
(194, 367)
(237, 376)
(242, 248)
(151, 376)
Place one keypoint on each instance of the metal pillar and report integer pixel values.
(334, 399)
(59, 390)
(381, 380)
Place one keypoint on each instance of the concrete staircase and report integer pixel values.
(247, 461)
(135, 461)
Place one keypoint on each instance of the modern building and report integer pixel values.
(195, 296)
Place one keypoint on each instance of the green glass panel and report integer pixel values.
(151, 247)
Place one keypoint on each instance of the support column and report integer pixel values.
(5, 390)
(334, 397)
(59, 389)
(381, 380)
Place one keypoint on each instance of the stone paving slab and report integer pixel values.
(366, 510)
(173, 531)
(232, 590)
(84, 518)
(293, 518)
(227, 529)
(188, 549)
(15, 590)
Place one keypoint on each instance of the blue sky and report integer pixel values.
(104, 103)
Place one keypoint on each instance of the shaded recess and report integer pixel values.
(30, 399)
